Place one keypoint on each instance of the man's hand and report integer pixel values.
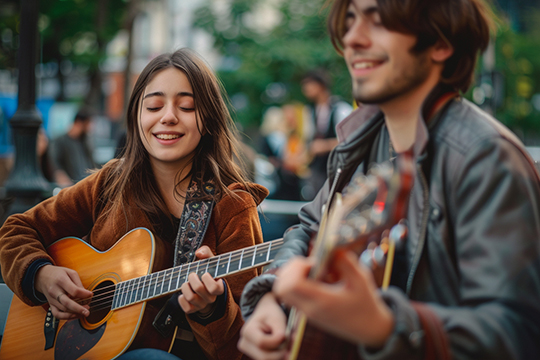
(200, 294)
(263, 335)
(62, 287)
(349, 307)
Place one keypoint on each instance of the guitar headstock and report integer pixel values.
(366, 211)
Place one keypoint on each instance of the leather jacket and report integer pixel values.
(473, 249)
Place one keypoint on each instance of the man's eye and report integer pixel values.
(349, 21)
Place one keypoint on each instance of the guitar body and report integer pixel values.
(106, 334)
(317, 344)
(365, 219)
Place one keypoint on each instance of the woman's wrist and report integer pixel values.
(207, 311)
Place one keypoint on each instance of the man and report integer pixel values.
(71, 152)
(471, 264)
(326, 112)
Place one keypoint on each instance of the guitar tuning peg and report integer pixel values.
(347, 232)
(366, 258)
(398, 235)
(379, 256)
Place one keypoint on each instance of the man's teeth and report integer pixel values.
(364, 65)
(167, 136)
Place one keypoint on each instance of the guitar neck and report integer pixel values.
(168, 281)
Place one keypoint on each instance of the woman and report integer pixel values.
(180, 140)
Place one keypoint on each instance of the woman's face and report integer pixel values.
(168, 121)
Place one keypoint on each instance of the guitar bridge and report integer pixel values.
(50, 328)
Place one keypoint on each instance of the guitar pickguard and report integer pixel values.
(74, 340)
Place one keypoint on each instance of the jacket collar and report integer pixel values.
(368, 118)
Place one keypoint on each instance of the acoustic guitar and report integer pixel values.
(121, 310)
(367, 219)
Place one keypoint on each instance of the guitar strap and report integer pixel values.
(193, 222)
(193, 225)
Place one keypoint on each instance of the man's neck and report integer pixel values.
(403, 113)
(323, 98)
(75, 132)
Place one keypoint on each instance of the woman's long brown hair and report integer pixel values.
(130, 180)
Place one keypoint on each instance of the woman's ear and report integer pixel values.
(441, 51)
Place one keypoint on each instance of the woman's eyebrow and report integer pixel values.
(160, 93)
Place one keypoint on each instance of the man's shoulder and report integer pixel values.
(464, 125)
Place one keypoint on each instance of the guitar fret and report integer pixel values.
(217, 267)
(162, 282)
(187, 272)
(241, 256)
(268, 252)
(116, 295)
(133, 292)
(155, 284)
(129, 291)
(174, 277)
(138, 291)
(254, 254)
(170, 280)
(179, 276)
(197, 269)
(228, 263)
(144, 291)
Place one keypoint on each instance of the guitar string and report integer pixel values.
(106, 294)
(174, 275)
(136, 293)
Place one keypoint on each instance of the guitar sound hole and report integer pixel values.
(101, 302)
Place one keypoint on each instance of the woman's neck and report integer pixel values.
(166, 178)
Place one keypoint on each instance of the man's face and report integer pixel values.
(380, 62)
(311, 89)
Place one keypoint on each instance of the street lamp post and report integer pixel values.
(26, 182)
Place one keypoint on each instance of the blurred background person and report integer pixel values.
(283, 144)
(49, 170)
(326, 111)
(72, 152)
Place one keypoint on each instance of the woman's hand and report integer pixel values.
(63, 288)
(199, 294)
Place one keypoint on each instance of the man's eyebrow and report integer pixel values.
(160, 93)
(370, 10)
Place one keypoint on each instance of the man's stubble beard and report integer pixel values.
(408, 80)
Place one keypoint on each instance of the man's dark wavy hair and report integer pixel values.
(463, 24)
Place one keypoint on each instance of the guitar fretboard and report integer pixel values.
(168, 281)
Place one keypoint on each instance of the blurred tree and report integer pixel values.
(74, 34)
(9, 35)
(518, 60)
(77, 32)
(267, 46)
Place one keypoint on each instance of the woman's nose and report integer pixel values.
(169, 118)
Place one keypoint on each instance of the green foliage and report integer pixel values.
(263, 65)
(9, 34)
(78, 30)
(518, 59)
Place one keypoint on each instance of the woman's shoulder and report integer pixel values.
(251, 190)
